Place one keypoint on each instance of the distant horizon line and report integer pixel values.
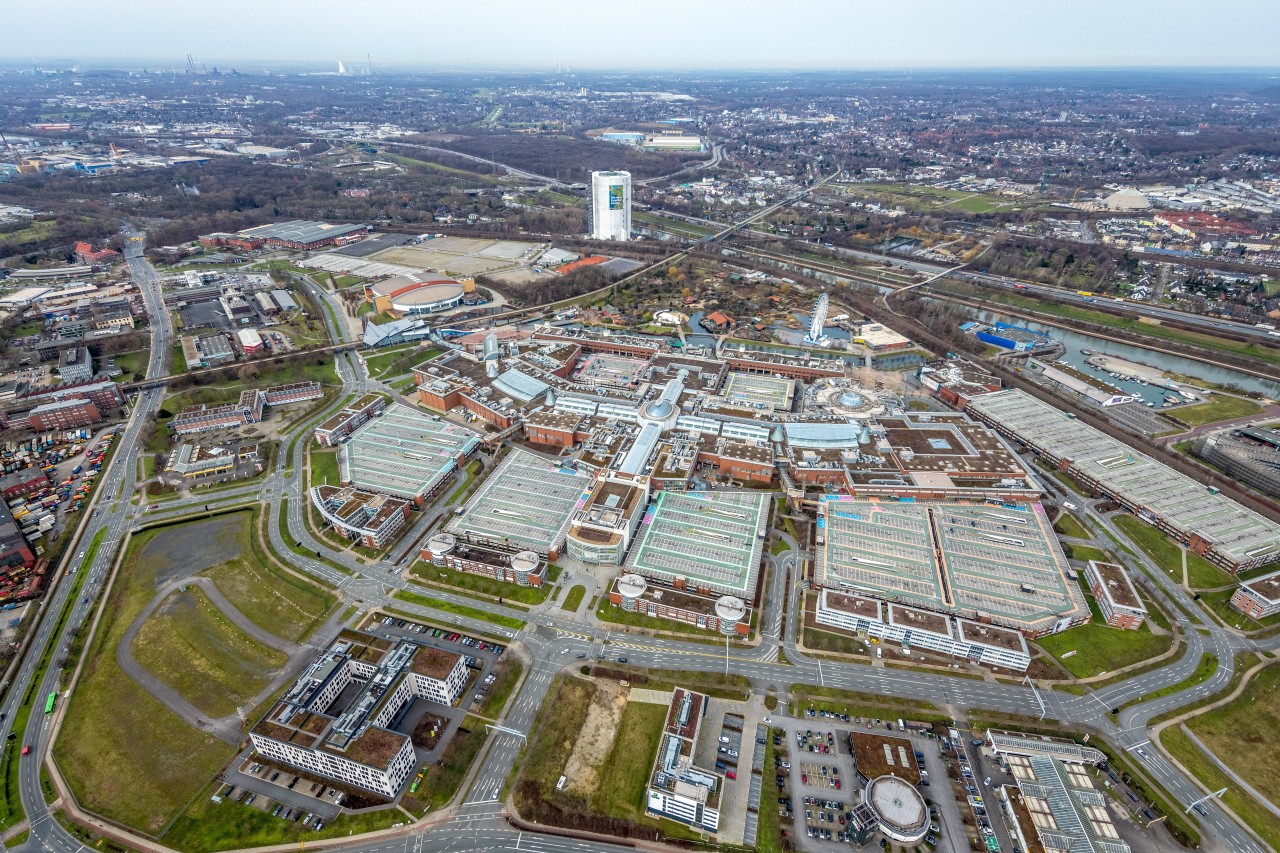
(356, 66)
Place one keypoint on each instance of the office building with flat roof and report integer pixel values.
(368, 518)
(1116, 595)
(334, 720)
(1258, 598)
(1210, 524)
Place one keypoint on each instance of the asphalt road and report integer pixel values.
(553, 638)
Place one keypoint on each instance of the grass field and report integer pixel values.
(1219, 408)
(574, 598)
(1100, 648)
(442, 780)
(823, 641)
(627, 768)
(398, 360)
(920, 197)
(192, 647)
(1242, 733)
(134, 761)
(552, 742)
(272, 598)
(1067, 525)
(507, 675)
(468, 582)
(460, 610)
(1200, 572)
(324, 467)
(1234, 797)
(1084, 552)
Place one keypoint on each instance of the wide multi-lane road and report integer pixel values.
(552, 638)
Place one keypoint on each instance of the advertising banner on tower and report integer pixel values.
(615, 196)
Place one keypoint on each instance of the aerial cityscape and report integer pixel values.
(796, 446)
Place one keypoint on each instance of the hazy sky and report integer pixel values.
(627, 34)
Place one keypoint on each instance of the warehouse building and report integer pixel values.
(1116, 595)
(303, 235)
(1210, 524)
(334, 720)
(1058, 808)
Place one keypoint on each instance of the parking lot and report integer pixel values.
(817, 785)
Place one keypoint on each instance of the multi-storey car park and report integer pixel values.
(995, 562)
(1208, 523)
(708, 542)
(525, 504)
(405, 453)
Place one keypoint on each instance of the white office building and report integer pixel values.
(611, 205)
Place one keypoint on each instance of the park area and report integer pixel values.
(1097, 647)
(1219, 407)
(136, 759)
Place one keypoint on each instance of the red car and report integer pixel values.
(26, 750)
(731, 774)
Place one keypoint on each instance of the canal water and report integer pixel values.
(1077, 341)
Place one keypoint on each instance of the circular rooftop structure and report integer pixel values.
(730, 608)
(632, 586)
(427, 296)
(903, 815)
(441, 544)
(658, 410)
(524, 561)
(847, 399)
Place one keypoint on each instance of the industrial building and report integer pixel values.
(303, 235)
(678, 789)
(526, 504)
(333, 721)
(1210, 524)
(996, 563)
(1058, 807)
(610, 206)
(1116, 595)
(63, 414)
(368, 518)
(200, 461)
(524, 568)
(15, 551)
(405, 453)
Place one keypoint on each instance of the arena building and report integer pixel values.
(405, 453)
(407, 295)
(302, 235)
(989, 562)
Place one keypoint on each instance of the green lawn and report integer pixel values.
(324, 468)
(507, 675)
(1084, 552)
(1100, 648)
(1220, 407)
(1200, 572)
(824, 641)
(460, 610)
(193, 648)
(1067, 525)
(574, 598)
(397, 360)
(134, 761)
(1261, 820)
(468, 582)
(1242, 732)
(629, 762)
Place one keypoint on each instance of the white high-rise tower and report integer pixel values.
(611, 205)
(819, 320)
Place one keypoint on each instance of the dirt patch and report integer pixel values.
(596, 739)
(183, 551)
